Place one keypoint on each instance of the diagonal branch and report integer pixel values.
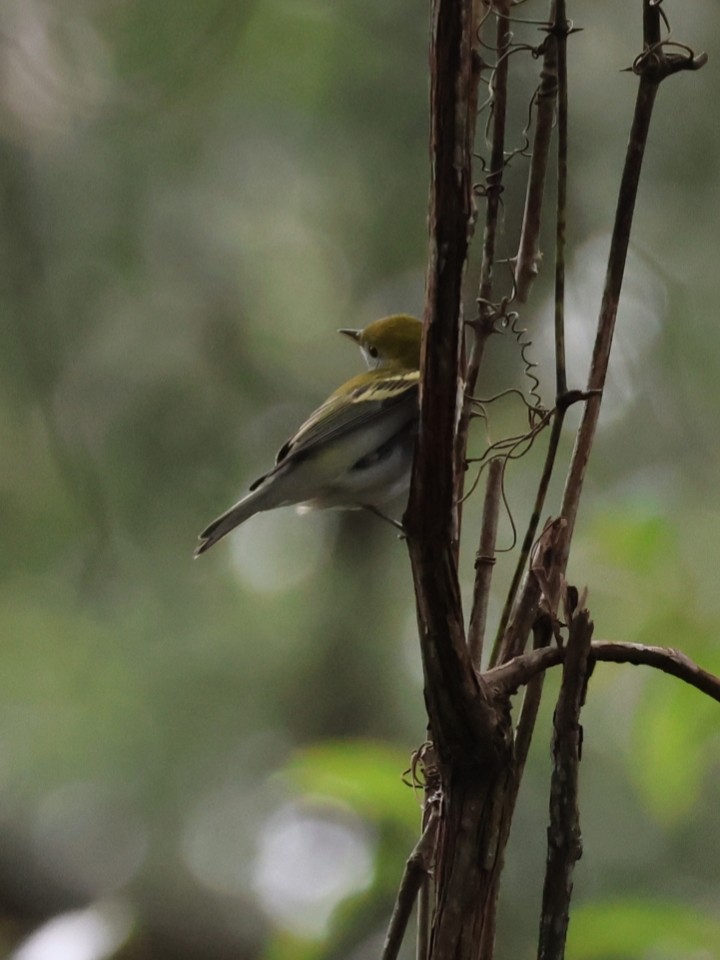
(416, 870)
(653, 66)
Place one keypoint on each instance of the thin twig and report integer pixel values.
(485, 561)
(511, 634)
(564, 840)
(559, 31)
(653, 66)
(432, 793)
(493, 186)
(543, 634)
(508, 645)
(483, 327)
(514, 674)
(416, 868)
(542, 638)
(424, 918)
(528, 259)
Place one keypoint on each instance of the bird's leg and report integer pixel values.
(383, 516)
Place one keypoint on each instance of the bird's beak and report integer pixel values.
(353, 334)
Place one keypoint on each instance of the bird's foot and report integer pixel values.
(383, 516)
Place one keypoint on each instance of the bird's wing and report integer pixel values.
(354, 407)
(343, 412)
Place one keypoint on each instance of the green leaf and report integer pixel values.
(365, 774)
(673, 723)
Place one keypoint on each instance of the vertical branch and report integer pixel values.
(542, 630)
(424, 919)
(527, 263)
(560, 34)
(485, 561)
(461, 716)
(644, 104)
(564, 840)
(493, 185)
(482, 327)
(469, 727)
(432, 794)
(554, 86)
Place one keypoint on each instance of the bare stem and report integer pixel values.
(511, 636)
(424, 919)
(564, 842)
(542, 630)
(559, 31)
(482, 327)
(528, 259)
(416, 869)
(461, 717)
(485, 561)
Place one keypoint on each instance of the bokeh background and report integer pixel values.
(205, 759)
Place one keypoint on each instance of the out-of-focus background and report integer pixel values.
(204, 760)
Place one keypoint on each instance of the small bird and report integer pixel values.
(356, 449)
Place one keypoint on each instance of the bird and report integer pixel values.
(356, 450)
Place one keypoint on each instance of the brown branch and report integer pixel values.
(493, 184)
(462, 718)
(542, 638)
(510, 676)
(485, 561)
(517, 616)
(424, 918)
(416, 870)
(470, 729)
(554, 86)
(564, 841)
(483, 326)
(559, 30)
(432, 797)
(543, 635)
(529, 257)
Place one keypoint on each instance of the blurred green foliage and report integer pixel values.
(641, 928)
(193, 197)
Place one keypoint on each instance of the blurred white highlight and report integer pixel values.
(310, 858)
(91, 934)
(276, 551)
(641, 314)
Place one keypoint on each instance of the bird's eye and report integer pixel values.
(373, 351)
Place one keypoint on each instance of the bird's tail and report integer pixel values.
(232, 518)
